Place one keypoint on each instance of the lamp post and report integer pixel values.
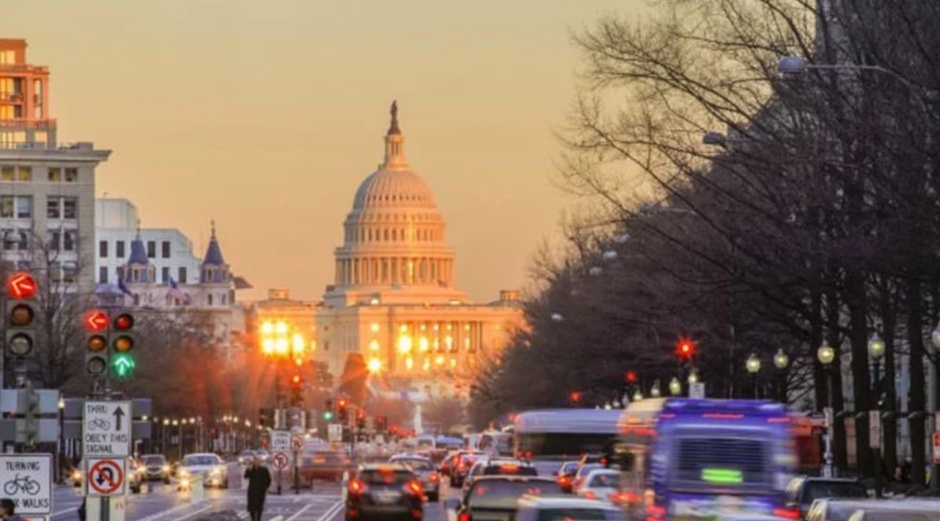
(876, 350)
(753, 369)
(60, 441)
(782, 363)
(654, 391)
(826, 354)
(675, 386)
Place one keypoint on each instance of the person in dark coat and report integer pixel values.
(259, 480)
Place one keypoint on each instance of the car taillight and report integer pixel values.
(414, 487)
(435, 477)
(464, 516)
(356, 486)
(787, 513)
(590, 494)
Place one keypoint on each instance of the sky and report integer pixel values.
(265, 115)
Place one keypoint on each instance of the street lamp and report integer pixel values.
(753, 368)
(637, 396)
(876, 350)
(60, 440)
(826, 355)
(654, 391)
(675, 387)
(782, 363)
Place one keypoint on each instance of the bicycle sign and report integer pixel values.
(106, 477)
(107, 429)
(27, 480)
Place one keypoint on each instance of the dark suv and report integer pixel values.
(388, 490)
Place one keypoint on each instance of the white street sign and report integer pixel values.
(106, 477)
(107, 429)
(335, 433)
(27, 480)
(280, 441)
(697, 390)
(874, 429)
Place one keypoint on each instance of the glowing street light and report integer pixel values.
(374, 365)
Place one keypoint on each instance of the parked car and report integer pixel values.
(207, 466)
(424, 469)
(384, 490)
(155, 468)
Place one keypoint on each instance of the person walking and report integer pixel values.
(8, 510)
(259, 480)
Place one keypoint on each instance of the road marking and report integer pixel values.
(332, 511)
(301, 511)
(165, 513)
(66, 511)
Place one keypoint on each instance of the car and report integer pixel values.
(448, 462)
(462, 465)
(246, 457)
(383, 491)
(263, 454)
(565, 475)
(601, 484)
(496, 498)
(424, 469)
(802, 491)
(155, 468)
(908, 509)
(582, 473)
(538, 508)
(499, 467)
(207, 466)
(323, 464)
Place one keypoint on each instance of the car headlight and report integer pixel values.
(166, 468)
(184, 473)
(76, 475)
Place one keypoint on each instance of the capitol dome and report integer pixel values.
(387, 188)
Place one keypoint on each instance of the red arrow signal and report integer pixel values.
(96, 321)
(21, 285)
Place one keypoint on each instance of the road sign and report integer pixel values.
(280, 441)
(297, 443)
(27, 480)
(936, 447)
(697, 390)
(874, 429)
(335, 433)
(106, 477)
(107, 429)
(280, 460)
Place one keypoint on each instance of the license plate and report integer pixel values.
(386, 497)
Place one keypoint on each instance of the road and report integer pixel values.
(160, 502)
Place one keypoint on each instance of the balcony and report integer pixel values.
(28, 123)
(15, 97)
(24, 67)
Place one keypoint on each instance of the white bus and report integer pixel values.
(496, 444)
(550, 437)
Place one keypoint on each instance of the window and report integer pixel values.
(103, 249)
(69, 207)
(103, 273)
(55, 175)
(24, 173)
(7, 173)
(69, 239)
(54, 240)
(165, 274)
(210, 298)
(24, 207)
(119, 249)
(182, 275)
(71, 175)
(165, 249)
(53, 210)
(151, 249)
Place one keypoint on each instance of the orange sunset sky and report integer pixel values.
(266, 114)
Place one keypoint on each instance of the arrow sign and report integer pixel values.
(96, 320)
(105, 474)
(21, 285)
(118, 414)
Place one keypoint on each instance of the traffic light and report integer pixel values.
(266, 418)
(122, 361)
(685, 349)
(631, 377)
(341, 409)
(328, 410)
(361, 419)
(96, 343)
(21, 314)
(381, 424)
(297, 389)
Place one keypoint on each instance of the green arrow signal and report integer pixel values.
(327, 415)
(122, 365)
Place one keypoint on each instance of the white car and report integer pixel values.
(535, 508)
(600, 484)
(206, 466)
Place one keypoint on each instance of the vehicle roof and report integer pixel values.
(577, 421)
(602, 471)
(566, 501)
(512, 477)
(381, 466)
(398, 457)
(152, 455)
(200, 454)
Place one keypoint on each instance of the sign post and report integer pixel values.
(27, 480)
(280, 443)
(296, 445)
(106, 444)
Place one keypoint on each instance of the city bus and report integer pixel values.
(549, 437)
(683, 458)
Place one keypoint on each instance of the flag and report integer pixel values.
(123, 287)
(176, 292)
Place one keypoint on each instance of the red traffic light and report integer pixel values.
(631, 377)
(124, 322)
(96, 321)
(21, 285)
(295, 379)
(341, 403)
(575, 397)
(685, 349)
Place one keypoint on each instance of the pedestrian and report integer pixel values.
(259, 480)
(81, 511)
(8, 510)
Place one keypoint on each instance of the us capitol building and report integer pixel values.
(394, 301)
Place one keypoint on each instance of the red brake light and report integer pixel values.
(356, 486)
(435, 477)
(590, 494)
(414, 487)
(509, 467)
(787, 513)
(464, 516)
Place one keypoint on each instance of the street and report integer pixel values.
(163, 502)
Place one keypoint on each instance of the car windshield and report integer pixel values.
(416, 464)
(581, 514)
(569, 467)
(583, 471)
(195, 461)
(154, 460)
(505, 493)
(833, 489)
(605, 480)
(385, 477)
(510, 469)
